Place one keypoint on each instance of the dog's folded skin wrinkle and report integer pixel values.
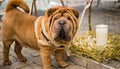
(51, 33)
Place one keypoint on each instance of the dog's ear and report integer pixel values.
(75, 12)
(51, 11)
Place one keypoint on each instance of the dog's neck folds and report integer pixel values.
(41, 42)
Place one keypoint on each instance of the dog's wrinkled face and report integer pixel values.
(62, 25)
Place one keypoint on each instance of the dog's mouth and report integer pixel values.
(61, 47)
(62, 35)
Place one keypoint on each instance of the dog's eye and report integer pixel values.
(55, 18)
(68, 18)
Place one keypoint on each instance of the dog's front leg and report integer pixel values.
(45, 56)
(59, 55)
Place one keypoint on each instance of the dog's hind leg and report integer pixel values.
(18, 49)
(6, 48)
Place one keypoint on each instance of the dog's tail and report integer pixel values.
(12, 4)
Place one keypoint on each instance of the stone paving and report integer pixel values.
(34, 60)
(106, 14)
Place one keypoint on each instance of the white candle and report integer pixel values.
(101, 34)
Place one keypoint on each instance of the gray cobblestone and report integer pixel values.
(35, 66)
(18, 65)
(27, 67)
(34, 53)
(5, 67)
(37, 60)
(75, 67)
(29, 62)
(81, 61)
(27, 55)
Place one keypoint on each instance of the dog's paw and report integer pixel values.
(63, 64)
(23, 59)
(5, 63)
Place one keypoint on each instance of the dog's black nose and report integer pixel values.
(62, 23)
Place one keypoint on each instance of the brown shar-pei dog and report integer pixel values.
(48, 34)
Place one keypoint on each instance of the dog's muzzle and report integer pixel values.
(62, 34)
